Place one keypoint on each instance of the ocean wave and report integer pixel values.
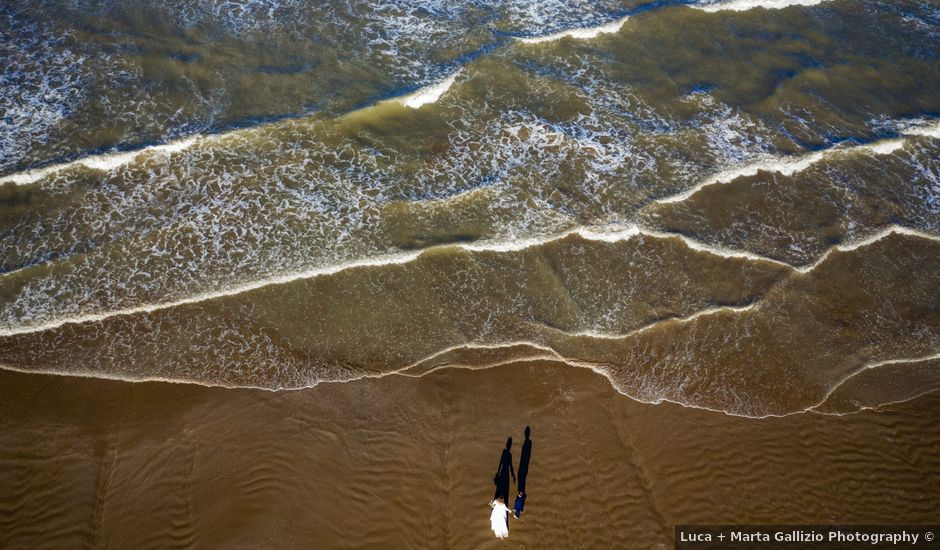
(532, 138)
(42, 84)
(584, 33)
(539, 353)
(429, 94)
(790, 166)
(593, 334)
(861, 370)
(104, 162)
(399, 40)
(744, 5)
(608, 235)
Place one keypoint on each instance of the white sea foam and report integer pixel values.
(42, 85)
(239, 16)
(681, 320)
(513, 361)
(869, 366)
(548, 354)
(929, 129)
(237, 289)
(790, 166)
(477, 346)
(429, 94)
(871, 239)
(611, 236)
(580, 34)
(595, 234)
(104, 162)
(744, 5)
(875, 365)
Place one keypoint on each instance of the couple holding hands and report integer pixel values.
(499, 518)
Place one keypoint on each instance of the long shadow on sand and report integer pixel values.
(524, 460)
(503, 471)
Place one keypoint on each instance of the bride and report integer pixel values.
(499, 518)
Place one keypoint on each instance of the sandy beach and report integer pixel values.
(404, 462)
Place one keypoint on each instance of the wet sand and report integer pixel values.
(401, 462)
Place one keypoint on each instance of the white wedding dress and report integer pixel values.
(498, 520)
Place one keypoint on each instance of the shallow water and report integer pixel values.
(731, 205)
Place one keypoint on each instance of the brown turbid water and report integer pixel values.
(287, 273)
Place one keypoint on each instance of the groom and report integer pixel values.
(523, 472)
(524, 460)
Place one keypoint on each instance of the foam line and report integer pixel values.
(590, 234)
(107, 162)
(721, 252)
(471, 345)
(384, 260)
(585, 33)
(551, 355)
(929, 129)
(879, 406)
(426, 95)
(871, 239)
(103, 163)
(523, 359)
(790, 166)
(429, 94)
(744, 5)
(654, 324)
(206, 296)
(621, 233)
(865, 368)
